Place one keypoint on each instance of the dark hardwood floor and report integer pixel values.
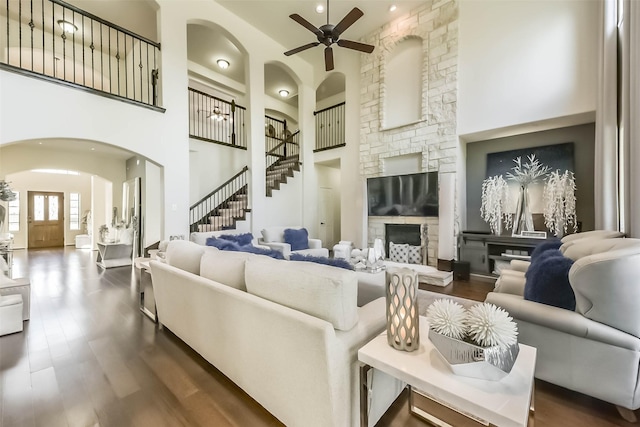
(88, 357)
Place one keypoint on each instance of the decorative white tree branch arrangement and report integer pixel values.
(483, 324)
(527, 173)
(560, 202)
(496, 204)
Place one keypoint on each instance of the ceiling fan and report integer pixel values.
(329, 34)
(217, 114)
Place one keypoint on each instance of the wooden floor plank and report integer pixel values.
(89, 357)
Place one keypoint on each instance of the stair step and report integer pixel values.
(208, 227)
(220, 221)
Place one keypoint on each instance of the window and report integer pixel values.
(74, 211)
(14, 213)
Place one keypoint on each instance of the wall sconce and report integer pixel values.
(223, 63)
(283, 93)
(67, 27)
(402, 309)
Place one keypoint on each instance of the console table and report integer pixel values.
(484, 251)
(114, 254)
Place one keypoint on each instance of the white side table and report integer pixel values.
(147, 297)
(504, 403)
(114, 254)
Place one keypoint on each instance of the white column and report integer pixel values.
(446, 216)
(306, 106)
(606, 149)
(256, 141)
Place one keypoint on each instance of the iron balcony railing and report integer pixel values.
(59, 42)
(216, 120)
(220, 208)
(330, 128)
(280, 142)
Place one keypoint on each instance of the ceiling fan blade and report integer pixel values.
(347, 21)
(308, 25)
(367, 48)
(301, 48)
(328, 59)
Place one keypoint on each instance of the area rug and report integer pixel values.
(425, 298)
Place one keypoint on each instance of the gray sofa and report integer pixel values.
(595, 349)
(286, 332)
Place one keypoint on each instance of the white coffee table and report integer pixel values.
(504, 403)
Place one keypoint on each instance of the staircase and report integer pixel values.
(279, 171)
(220, 209)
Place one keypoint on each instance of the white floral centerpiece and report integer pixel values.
(560, 202)
(525, 174)
(6, 195)
(479, 342)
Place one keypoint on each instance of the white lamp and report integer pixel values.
(67, 27)
(223, 63)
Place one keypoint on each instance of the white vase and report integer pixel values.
(523, 221)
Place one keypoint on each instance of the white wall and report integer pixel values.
(284, 207)
(525, 61)
(210, 165)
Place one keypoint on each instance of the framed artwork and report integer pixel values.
(557, 156)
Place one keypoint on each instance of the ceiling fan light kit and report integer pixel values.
(329, 34)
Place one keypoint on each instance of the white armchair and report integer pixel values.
(200, 237)
(273, 237)
(595, 349)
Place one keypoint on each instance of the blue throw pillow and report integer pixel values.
(222, 244)
(544, 246)
(241, 239)
(333, 262)
(547, 280)
(298, 239)
(262, 251)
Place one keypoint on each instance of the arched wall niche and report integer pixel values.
(403, 80)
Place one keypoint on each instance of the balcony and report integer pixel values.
(53, 40)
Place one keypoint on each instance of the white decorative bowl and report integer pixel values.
(470, 360)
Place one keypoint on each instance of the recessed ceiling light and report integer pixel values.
(223, 63)
(319, 8)
(283, 93)
(67, 27)
(392, 8)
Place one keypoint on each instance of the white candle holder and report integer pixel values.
(402, 309)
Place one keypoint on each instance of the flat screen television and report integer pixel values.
(403, 195)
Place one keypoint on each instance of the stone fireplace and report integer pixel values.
(419, 231)
(412, 234)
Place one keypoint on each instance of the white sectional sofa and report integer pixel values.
(285, 332)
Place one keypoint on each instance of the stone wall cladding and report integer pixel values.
(436, 24)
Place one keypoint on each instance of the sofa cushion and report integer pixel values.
(328, 293)
(544, 246)
(225, 267)
(185, 255)
(413, 255)
(333, 262)
(273, 235)
(223, 244)
(241, 239)
(547, 280)
(398, 252)
(297, 238)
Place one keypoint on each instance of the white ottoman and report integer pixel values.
(10, 314)
(342, 250)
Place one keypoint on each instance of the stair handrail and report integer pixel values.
(284, 141)
(208, 196)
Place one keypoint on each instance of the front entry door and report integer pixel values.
(46, 219)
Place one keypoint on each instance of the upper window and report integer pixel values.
(74, 211)
(403, 84)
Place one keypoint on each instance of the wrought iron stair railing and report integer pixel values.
(212, 119)
(283, 153)
(221, 208)
(58, 42)
(330, 129)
